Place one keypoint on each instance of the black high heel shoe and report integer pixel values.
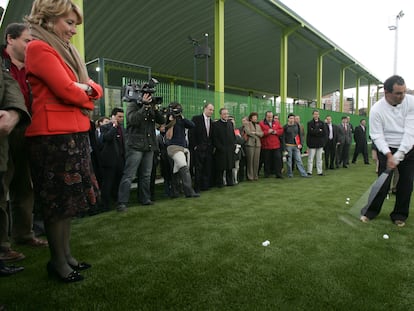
(81, 266)
(74, 276)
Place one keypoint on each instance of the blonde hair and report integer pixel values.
(44, 12)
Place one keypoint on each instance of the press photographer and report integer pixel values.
(141, 115)
(178, 151)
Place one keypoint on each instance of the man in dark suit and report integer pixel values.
(112, 156)
(330, 146)
(361, 146)
(201, 148)
(344, 143)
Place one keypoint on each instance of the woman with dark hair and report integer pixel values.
(63, 178)
(253, 134)
(177, 150)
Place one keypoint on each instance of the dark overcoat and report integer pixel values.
(224, 141)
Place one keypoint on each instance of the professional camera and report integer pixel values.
(133, 92)
(175, 110)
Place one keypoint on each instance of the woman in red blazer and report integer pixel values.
(63, 178)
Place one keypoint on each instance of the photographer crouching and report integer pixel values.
(141, 115)
(177, 150)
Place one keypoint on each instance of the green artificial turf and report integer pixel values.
(206, 253)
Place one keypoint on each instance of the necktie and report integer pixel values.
(208, 126)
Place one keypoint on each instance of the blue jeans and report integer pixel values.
(293, 152)
(134, 160)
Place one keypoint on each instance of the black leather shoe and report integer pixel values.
(193, 195)
(81, 266)
(72, 277)
(9, 270)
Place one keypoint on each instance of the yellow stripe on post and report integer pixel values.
(219, 54)
(79, 39)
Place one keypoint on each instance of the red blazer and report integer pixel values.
(271, 141)
(57, 102)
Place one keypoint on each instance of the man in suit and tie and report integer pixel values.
(201, 148)
(344, 143)
(361, 146)
(330, 147)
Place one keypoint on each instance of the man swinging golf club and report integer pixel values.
(391, 123)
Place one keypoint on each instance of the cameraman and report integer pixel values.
(177, 150)
(141, 116)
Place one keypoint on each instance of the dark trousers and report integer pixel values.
(203, 160)
(272, 159)
(111, 178)
(342, 154)
(221, 174)
(403, 191)
(330, 151)
(18, 182)
(361, 148)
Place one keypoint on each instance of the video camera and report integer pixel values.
(134, 92)
(175, 110)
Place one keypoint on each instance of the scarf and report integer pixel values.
(170, 129)
(66, 50)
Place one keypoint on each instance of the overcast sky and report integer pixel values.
(360, 28)
(3, 3)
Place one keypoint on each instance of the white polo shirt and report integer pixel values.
(392, 127)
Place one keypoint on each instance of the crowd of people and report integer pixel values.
(194, 155)
(54, 158)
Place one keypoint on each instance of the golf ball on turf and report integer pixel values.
(347, 202)
(385, 236)
(348, 199)
(266, 243)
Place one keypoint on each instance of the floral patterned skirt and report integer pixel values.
(63, 179)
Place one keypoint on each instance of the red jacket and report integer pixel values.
(270, 140)
(57, 102)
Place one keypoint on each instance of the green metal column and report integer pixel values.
(79, 39)
(369, 95)
(319, 78)
(283, 65)
(341, 89)
(102, 82)
(219, 54)
(284, 46)
(358, 83)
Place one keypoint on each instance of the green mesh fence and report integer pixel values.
(193, 100)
